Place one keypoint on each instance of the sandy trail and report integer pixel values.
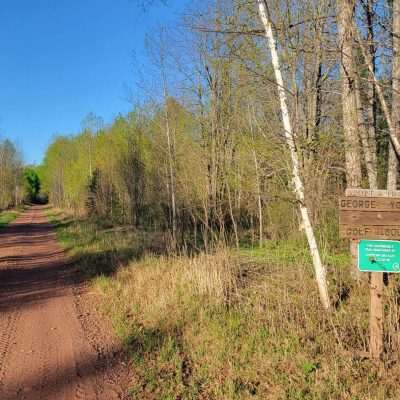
(46, 352)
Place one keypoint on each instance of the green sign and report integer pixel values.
(379, 256)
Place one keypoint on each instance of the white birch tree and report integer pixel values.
(298, 187)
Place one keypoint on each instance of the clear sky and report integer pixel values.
(61, 59)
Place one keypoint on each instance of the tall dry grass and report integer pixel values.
(244, 325)
(218, 327)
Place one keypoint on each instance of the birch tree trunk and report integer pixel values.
(320, 271)
(170, 169)
(171, 155)
(393, 161)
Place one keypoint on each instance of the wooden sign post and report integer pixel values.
(372, 214)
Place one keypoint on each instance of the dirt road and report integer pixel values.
(47, 349)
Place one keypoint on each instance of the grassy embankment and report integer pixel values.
(10, 215)
(234, 325)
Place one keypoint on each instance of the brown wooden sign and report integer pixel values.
(370, 214)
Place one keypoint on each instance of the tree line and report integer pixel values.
(11, 175)
(203, 156)
(19, 182)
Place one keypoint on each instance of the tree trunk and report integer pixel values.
(171, 174)
(258, 183)
(259, 202)
(345, 15)
(385, 108)
(171, 159)
(370, 89)
(365, 140)
(320, 271)
(393, 166)
(234, 224)
(349, 102)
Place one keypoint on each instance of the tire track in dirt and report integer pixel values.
(52, 345)
(112, 362)
(7, 329)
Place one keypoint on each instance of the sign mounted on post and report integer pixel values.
(379, 256)
(373, 214)
(370, 214)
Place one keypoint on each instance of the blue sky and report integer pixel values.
(61, 59)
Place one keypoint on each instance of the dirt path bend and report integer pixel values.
(46, 350)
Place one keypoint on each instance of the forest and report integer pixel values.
(204, 155)
(200, 214)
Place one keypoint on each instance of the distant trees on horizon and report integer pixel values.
(11, 170)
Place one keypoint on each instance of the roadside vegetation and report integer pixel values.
(233, 324)
(8, 216)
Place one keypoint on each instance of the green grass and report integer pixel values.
(98, 250)
(8, 216)
(237, 324)
(293, 251)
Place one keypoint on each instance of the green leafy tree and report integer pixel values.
(32, 184)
